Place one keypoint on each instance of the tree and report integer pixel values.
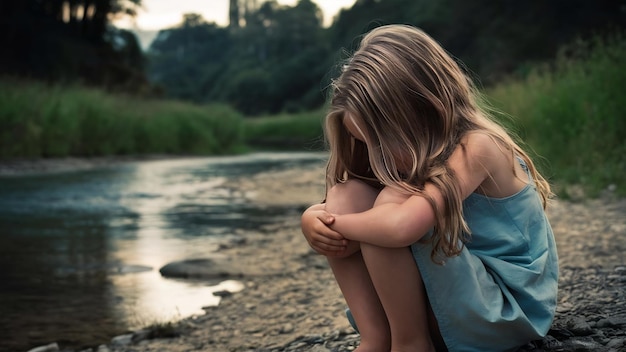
(188, 59)
(273, 61)
(492, 38)
(280, 57)
(68, 40)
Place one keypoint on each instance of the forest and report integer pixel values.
(71, 41)
(276, 58)
(280, 58)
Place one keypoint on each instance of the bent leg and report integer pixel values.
(401, 291)
(400, 288)
(351, 273)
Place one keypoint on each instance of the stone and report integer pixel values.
(140, 335)
(287, 328)
(616, 343)
(550, 343)
(47, 348)
(579, 326)
(582, 345)
(205, 268)
(222, 293)
(122, 340)
(607, 323)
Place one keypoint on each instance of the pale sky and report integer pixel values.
(161, 14)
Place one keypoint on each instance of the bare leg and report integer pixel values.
(400, 288)
(401, 291)
(352, 275)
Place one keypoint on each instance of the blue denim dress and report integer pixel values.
(501, 291)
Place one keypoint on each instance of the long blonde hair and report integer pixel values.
(411, 97)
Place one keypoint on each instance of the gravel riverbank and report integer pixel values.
(291, 302)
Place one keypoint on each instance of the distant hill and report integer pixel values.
(145, 37)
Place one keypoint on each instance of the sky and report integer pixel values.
(161, 14)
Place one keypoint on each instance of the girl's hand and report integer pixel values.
(315, 224)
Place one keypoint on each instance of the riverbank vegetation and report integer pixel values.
(39, 120)
(569, 112)
(301, 131)
(572, 112)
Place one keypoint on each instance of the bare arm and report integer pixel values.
(401, 224)
(389, 224)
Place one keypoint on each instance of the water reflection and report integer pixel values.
(80, 251)
(164, 190)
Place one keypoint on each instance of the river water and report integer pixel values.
(80, 251)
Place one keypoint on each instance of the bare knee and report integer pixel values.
(375, 253)
(352, 196)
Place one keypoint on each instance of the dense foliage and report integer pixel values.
(277, 58)
(70, 41)
(37, 120)
(573, 113)
(274, 62)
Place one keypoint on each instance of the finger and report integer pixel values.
(327, 252)
(333, 239)
(326, 218)
(329, 247)
(325, 241)
(325, 231)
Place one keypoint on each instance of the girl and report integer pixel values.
(434, 222)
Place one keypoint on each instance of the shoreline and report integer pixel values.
(294, 304)
(25, 166)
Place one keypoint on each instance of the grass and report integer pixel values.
(163, 330)
(37, 120)
(302, 131)
(573, 114)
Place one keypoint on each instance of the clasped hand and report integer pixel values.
(316, 227)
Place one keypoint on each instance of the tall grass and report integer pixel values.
(38, 120)
(573, 114)
(302, 131)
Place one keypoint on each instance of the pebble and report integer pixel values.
(579, 326)
(122, 340)
(47, 348)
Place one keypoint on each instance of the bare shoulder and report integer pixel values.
(485, 155)
(472, 161)
(484, 151)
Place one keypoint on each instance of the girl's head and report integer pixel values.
(409, 96)
(398, 110)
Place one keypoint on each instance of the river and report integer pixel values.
(80, 251)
